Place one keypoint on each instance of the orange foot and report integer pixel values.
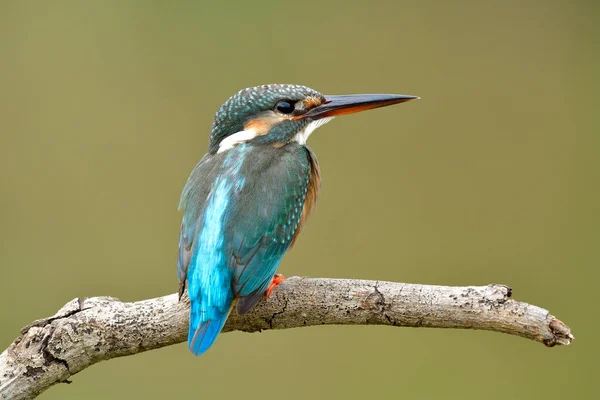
(277, 279)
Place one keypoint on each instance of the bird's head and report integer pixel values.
(277, 114)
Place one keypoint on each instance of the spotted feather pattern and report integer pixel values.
(248, 103)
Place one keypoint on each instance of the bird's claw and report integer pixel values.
(277, 279)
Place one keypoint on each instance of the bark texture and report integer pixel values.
(86, 331)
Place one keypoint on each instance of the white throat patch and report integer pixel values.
(249, 134)
(302, 136)
(236, 138)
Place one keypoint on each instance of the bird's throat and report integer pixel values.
(302, 136)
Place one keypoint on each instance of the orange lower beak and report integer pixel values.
(353, 103)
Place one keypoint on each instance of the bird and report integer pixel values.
(247, 199)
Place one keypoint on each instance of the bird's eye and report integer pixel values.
(285, 107)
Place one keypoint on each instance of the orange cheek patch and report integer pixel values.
(261, 126)
(312, 102)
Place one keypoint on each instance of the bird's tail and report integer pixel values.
(202, 334)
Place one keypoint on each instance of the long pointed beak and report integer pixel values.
(353, 103)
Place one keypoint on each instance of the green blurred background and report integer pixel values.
(105, 107)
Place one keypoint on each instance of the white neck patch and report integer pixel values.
(236, 138)
(249, 134)
(302, 136)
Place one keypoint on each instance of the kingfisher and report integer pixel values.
(246, 201)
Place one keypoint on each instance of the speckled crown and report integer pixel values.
(249, 102)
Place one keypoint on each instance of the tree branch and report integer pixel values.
(86, 331)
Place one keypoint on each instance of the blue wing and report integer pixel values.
(241, 212)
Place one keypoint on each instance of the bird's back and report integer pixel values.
(242, 209)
